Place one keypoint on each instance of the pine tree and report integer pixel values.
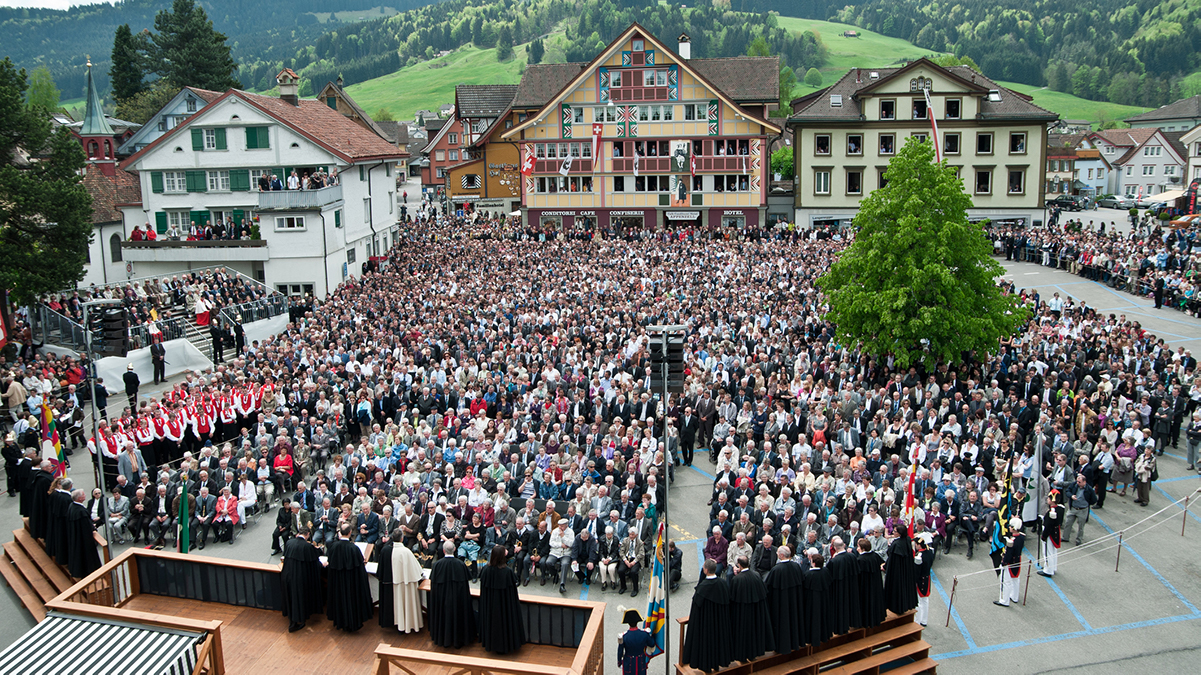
(189, 52)
(919, 283)
(125, 73)
(46, 214)
(535, 52)
(504, 43)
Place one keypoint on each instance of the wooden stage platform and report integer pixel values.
(257, 641)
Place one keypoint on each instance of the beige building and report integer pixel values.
(845, 135)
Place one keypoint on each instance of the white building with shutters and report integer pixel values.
(207, 168)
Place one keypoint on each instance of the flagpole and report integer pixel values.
(666, 581)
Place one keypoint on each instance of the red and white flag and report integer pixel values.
(598, 130)
(635, 162)
(692, 165)
(933, 125)
(527, 165)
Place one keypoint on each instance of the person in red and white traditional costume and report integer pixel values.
(109, 445)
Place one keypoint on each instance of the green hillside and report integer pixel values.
(430, 84)
(1073, 108)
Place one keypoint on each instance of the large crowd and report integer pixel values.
(490, 386)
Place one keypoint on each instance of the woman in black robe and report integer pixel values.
(300, 577)
(501, 628)
(900, 578)
(451, 616)
(387, 614)
(817, 592)
(707, 643)
(786, 605)
(82, 556)
(753, 635)
(871, 586)
(349, 605)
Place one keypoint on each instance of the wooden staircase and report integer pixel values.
(895, 646)
(32, 574)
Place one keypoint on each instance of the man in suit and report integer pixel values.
(158, 357)
(706, 412)
(130, 463)
(428, 532)
(325, 522)
(366, 525)
(620, 527)
(688, 424)
(141, 514)
(764, 557)
(202, 517)
(117, 509)
(307, 499)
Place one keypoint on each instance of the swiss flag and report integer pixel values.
(527, 166)
(692, 165)
(598, 130)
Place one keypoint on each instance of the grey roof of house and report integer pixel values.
(1185, 108)
(483, 100)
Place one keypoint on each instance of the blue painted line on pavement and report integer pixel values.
(1179, 506)
(704, 473)
(584, 593)
(1167, 584)
(1058, 591)
(1178, 478)
(967, 636)
(700, 557)
(1066, 636)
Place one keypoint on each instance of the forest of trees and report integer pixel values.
(1132, 52)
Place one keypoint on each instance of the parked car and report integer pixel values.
(1115, 202)
(1147, 201)
(1068, 203)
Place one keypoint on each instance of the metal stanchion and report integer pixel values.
(1026, 591)
(1184, 516)
(1119, 560)
(951, 602)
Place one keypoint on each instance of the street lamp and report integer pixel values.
(87, 341)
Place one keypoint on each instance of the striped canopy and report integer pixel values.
(66, 644)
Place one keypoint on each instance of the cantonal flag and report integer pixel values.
(52, 448)
(656, 609)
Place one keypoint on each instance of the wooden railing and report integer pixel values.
(404, 659)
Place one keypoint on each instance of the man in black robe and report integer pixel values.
(349, 604)
(817, 593)
(707, 644)
(501, 628)
(57, 531)
(749, 615)
(383, 574)
(844, 589)
(39, 499)
(300, 576)
(82, 556)
(871, 586)
(786, 602)
(452, 619)
(25, 470)
(900, 579)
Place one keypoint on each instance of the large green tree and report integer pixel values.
(45, 212)
(125, 73)
(188, 51)
(42, 92)
(918, 281)
(142, 106)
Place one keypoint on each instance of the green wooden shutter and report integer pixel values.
(160, 222)
(197, 181)
(156, 181)
(220, 138)
(199, 217)
(252, 139)
(264, 137)
(332, 102)
(239, 216)
(239, 180)
(198, 139)
(338, 218)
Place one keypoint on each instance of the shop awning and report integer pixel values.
(1169, 196)
(64, 643)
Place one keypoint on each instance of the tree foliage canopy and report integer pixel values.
(188, 52)
(45, 212)
(125, 73)
(918, 281)
(42, 92)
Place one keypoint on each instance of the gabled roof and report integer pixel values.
(1125, 138)
(204, 95)
(816, 106)
(442, 129)
(1185, 108)
(362, 114)
(483, 100)
(745, 79)
(207, 94)
(683, 64)
(541, 81)
(1063, 140)
(109, 191)
(313, 119)
(1132, 140)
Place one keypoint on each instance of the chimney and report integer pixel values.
(685, 50)
(857, 78)
(289, 86)
(339, 81)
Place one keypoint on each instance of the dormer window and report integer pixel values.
(994, 95)
(638, 45)
(191, 105)
(835, 100)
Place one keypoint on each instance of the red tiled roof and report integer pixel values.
(1124, 138)
(108, 191)
(311, 118)
(206, 94)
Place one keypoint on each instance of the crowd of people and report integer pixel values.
(1150, 260)
(490, 389)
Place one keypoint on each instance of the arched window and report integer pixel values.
(114, 244)
(93, 149)
(108, 148)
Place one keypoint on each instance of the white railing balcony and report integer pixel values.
(303, 200)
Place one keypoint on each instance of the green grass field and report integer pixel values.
(1073, 108)
(422, 87)
(869, 50)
